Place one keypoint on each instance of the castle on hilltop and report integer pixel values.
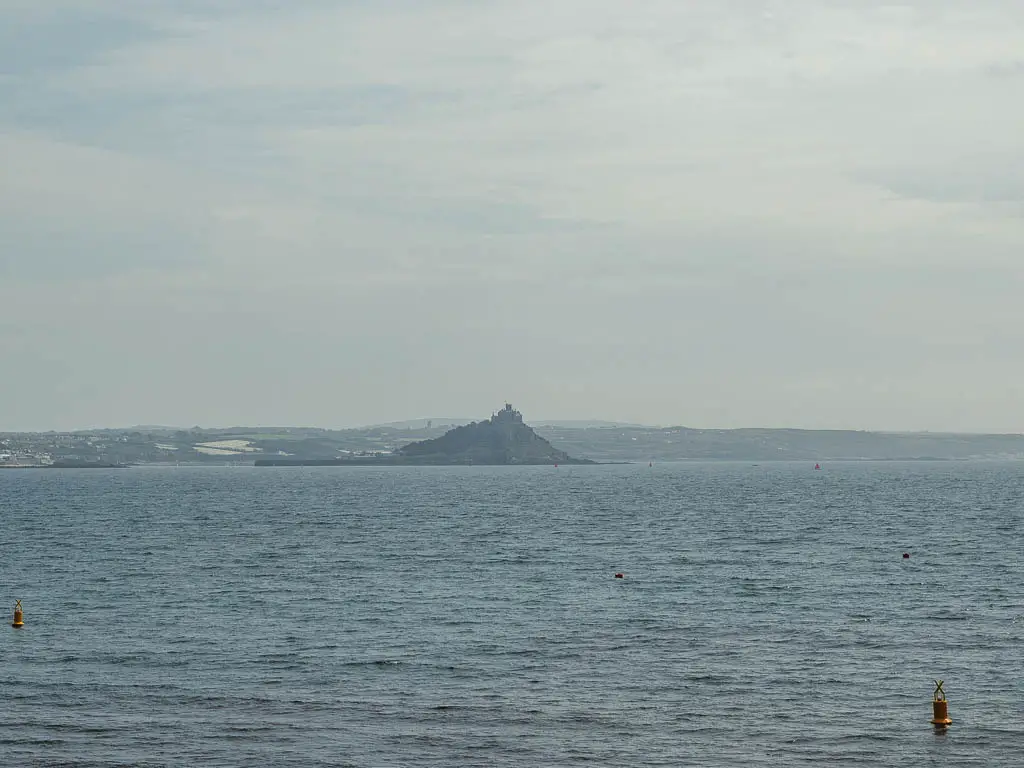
(507, 414)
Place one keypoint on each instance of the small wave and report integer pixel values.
(91, 730)
(874, 738)
(40, 741)
(520, 652)
(709, 678)
(234, 728)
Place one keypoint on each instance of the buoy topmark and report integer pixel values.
(940, 708)
(18, 622)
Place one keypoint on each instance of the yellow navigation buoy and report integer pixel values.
(18, 623)
(940, 708)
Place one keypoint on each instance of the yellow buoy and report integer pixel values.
(18, 622)
(940, 707)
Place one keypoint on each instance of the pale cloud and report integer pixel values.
(720, 214)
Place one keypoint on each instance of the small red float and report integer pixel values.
(906, 555)
(620, 576)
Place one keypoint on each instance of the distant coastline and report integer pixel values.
(382, 446)
(66, 465)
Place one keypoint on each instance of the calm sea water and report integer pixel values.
(469, 616)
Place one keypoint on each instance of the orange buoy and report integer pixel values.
(18, 620)
(940, 708)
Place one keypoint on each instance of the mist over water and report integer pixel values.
(445, 616)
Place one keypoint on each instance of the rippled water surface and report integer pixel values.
(469, 616)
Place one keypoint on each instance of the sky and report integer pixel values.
(802, 213)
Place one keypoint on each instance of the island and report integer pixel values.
(502, 439)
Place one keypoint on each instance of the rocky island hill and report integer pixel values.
(502, 439)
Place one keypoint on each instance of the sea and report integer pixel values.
(471, 616)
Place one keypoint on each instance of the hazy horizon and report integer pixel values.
(446, 421)
(717, 215)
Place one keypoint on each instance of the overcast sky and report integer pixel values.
(799, 213)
